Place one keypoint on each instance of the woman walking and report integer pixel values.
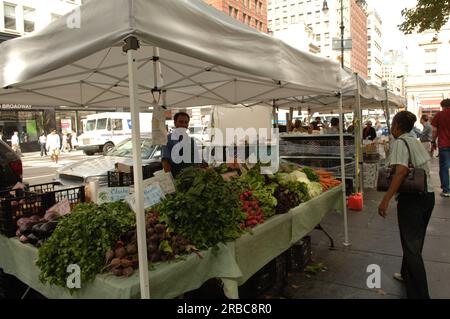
(414, 210)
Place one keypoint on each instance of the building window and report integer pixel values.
(430, 60)
(10, 16)
(230, 10)
(317, 37)
(285, 20)
(277, 22)
(293, 19)
(28, 19)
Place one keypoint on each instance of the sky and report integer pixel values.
(390, 12)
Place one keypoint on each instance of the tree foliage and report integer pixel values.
(427, 15)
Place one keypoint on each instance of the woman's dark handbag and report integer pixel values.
(414, 183)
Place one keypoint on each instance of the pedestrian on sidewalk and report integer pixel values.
(69, 141)
(413, 210)
(15, 143)
(42, 143)
(53, 146)
(74, 140)
(441, 132)
(425, 135)
(64, 146)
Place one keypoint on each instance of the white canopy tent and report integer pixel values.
(177, 53)
(357, 94)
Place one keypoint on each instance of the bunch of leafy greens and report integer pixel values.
(312, 176)
(83, 238)
(264, 191)
(289, 182)
(204, 210)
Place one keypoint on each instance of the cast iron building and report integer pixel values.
(375, 49)
(325, 25)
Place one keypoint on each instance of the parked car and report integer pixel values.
(11, 170)
(85, 171)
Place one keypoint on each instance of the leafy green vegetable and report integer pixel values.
(83, 238)
(312, 176)
(298, 188)
(262, 190)
(204, 210)
(315, 189)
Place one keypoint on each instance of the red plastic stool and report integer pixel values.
(355, 202)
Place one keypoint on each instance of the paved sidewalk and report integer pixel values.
(374, 240)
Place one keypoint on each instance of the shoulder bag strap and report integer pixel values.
(410, 164)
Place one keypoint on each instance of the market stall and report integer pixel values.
(179, 64)
(230, 262)
(357, 94)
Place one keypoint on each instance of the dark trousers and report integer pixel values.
(444, 166)
(414, 212)
(43, 150)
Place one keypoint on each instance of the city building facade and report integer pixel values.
(18, 18)
(394, 72)
(325, 25)
(299, 36)
(374, 47)
(428, 78)
(250, 12)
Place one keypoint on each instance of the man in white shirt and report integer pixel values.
(53, 146)
(15, 144)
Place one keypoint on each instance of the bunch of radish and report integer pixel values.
(250, 205)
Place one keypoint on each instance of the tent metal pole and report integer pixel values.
(275, 114)
(388, 115)
(344, 195)
(130, 47)
(358, 139)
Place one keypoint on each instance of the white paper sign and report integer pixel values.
(153, 194)
(159, 133)
(112, 194)
(165, 181)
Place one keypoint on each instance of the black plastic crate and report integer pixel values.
(116, 179)
(272, 276)
(211, 289)
(53, 193)
(119, 179)
(18, 205)
(299, 255)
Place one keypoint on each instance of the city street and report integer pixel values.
(37, 169)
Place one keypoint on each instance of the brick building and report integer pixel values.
(358, 29)
(250, 12)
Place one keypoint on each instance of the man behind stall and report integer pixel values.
(369, 132)
(173, 160)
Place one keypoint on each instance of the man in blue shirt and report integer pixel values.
(174, 158)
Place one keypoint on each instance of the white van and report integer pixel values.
(104, 130)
